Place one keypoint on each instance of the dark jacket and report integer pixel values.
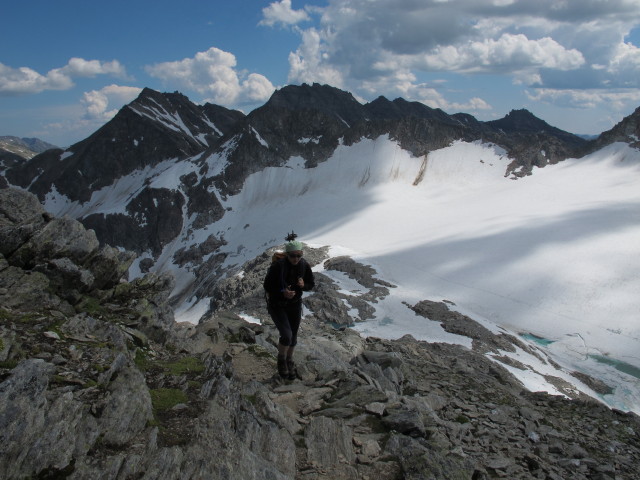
(283, 274)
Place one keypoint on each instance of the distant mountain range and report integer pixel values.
(14, 150)
(27, 147)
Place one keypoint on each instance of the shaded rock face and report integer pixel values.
(101, 383)
(153, 128)
(626, 131)
(155, 218)
(57, 252)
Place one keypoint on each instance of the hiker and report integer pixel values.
(286, 279)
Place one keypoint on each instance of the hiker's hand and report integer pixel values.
(288, 294)
(301, 282)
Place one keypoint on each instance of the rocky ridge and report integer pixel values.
(626, 131)
(97, 381)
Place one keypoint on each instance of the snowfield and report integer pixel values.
(555, 254)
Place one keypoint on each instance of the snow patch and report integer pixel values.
(259, 138)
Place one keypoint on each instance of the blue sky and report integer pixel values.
(67, 66)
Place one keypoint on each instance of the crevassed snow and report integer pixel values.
(556, 253)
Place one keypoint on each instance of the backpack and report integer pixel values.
(278, 256)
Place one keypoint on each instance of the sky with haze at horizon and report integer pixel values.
(67, 67)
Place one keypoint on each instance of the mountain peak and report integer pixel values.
(300, 96)
(324, 98)
(381, 107)
(521, 120)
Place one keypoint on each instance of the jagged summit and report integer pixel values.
(522, 120)
(381, 107)
(323, 98)
(176, 112)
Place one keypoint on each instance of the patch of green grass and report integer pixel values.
(59, 380)
(57, 328)
(165, 398)
(153, 423)
(29, 317)
(251, 398)
(100, 368)
(462, 419)
(194, 384)
(142, 360)
(184, 365)
(9, 364)
(90, 305)
(233, 338)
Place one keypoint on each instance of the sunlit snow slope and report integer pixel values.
(556, 254)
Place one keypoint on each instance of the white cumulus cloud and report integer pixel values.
(213, 74)
(24, 80)
(510, 52)
(102, 105)
(79, 67)
(282, 13)
(308, 63)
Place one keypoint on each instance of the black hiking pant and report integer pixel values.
(287, 321)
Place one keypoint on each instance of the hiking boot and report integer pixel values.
(283, 370)
(292, 369)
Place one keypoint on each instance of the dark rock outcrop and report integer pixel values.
(626, 131)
